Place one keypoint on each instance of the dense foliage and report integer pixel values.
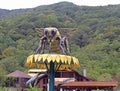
(94, 36)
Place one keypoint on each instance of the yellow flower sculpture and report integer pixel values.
(40, 61)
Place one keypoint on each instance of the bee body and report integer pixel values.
(53, 38)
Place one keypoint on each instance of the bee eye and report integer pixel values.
(46, 32)
(53, 32)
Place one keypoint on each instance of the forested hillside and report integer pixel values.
(93, 33)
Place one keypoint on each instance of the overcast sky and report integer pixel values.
(17, 4)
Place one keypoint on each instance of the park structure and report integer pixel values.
(52, 54)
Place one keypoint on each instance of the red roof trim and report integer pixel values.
(89, 84)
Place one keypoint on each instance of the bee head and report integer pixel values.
(51, 33)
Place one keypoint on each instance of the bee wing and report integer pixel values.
(66, 31)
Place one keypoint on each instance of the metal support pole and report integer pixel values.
(51, 76)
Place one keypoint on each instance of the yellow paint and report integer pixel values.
(38, 61)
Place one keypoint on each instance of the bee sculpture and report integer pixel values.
(55, 42)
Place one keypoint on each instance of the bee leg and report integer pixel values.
(50, 47)
(64, 42)
(60, 44)
(62, 48)
(41, 46)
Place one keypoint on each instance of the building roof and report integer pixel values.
(19, 74)
(80, 75)
(89, 84)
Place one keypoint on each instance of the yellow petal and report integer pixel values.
(57, 58)
(69, 59)
(49, 59)
(75, 60)
(53, 56)
(62, 58)
(44, 57)
(39, 58)
(35, 57)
